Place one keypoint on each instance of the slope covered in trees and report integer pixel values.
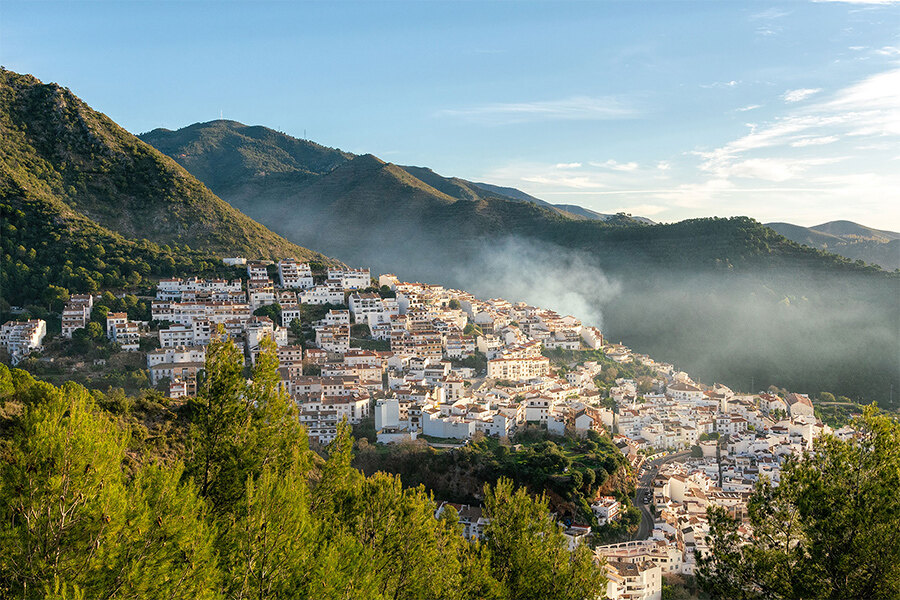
(70, 176)
(237, 506)
(728, 300)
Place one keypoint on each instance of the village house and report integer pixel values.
(76, 313)
(21, 338)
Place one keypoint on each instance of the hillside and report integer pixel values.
(728, 299)
(227, 154)
(74, 176)
(848, 239)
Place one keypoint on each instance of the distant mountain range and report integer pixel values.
(728, 299)
(849, 239)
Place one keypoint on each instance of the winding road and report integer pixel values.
(644, 485)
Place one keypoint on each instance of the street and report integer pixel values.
(644, 485)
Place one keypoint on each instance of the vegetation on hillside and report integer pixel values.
(829, 530)
(237, 506)
(225, 152)
(71, 164)
(848, 239)
(44, 246)
(570, 470)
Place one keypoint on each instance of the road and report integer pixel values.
(644, 485)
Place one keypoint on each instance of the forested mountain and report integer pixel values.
(849, 239)
(227, 154)
(729, 300)
(81, 196)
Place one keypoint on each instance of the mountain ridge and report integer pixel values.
(848, 239)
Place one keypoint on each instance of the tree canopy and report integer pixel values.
(829, 530)
(244, 509)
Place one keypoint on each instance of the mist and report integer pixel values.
(806, 329)
(542, 274)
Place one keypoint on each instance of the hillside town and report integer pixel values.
(426, 362)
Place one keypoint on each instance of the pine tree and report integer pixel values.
(829, 530)
(220, 426)
(527, 550)
(72, 523)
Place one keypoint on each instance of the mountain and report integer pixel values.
(572, 210)
(728, 299)
(226, 153)
(70, 168)
(849, 239)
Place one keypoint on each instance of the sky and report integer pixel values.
(784, 111)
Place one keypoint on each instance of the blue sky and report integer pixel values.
(782, 111)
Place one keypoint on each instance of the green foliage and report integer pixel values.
(221, 418)
(472, 329)
(528, 553)
(84, 513)
(574, 469)
(74, 524)
(79, 193)
(376, 345)
(273, 311)
(829, 530)
(477, 361)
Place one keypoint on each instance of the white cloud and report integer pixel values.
(749, 107)
(772, 169)
(801, 94)
(571, 165)
(769, 14)
(888, 51)
(827, 158)
(815, 141)
(615, 165)
(720, 84)
(870, 107)
(576, 108)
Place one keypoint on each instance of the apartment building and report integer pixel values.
(76, 313)
(21, 338)
(293, 274)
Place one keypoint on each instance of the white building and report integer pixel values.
(518, 369)
(176, 363)
(292, 274)
(321, 294)
(123, 332)
(76, 314)
(606, 509)
(351, 279)
(21, 338)
(633, 581)
(333, 338)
